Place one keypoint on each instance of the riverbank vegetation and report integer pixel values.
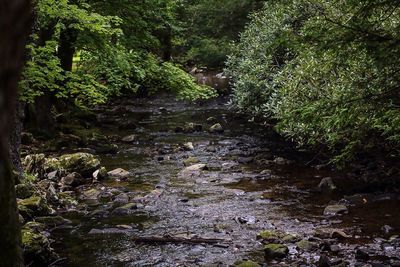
(327, 71)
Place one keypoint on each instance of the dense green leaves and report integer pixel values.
(327, 70)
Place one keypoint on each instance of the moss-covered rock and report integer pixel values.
(275, 251)
(51, 165)
(83, 163)
(25, 190)
(306, 245)
(33, 206)
(271, 235)
(216, 128)
(36, 246)
(33, 164)
(191, 161)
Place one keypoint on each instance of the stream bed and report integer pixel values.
(245, 180)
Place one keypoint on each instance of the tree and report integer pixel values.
(15, 19)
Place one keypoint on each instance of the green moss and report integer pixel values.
(83, 163)
(33, 206)
(270, 235)
(24, 190)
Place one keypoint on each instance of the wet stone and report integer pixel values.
(273, 251)
(333, 210)
(119, 173)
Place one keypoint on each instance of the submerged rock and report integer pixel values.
(333, 210)
(274, 251)
(72, 179)
(130, 138)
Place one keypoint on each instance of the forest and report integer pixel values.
(199, 133)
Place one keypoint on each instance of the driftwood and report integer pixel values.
(177, 240)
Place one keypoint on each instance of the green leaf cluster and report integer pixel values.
(328, 71)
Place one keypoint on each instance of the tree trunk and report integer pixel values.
(15, 137)
(15, 21)
(66, 48)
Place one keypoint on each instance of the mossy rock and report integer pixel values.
(51, 164)
(247, 264)
(25, 190)
(83, 163)
(306, 245)
(190, 161)
(275, 251)
(33, 164)
(33, 206)
(271, 235)
(36, 246)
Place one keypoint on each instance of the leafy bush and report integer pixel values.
(327, 70)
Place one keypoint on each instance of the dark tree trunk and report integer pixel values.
(15, 137)
(15, 20)
(66, 48)
(167, 44)
(43, 119)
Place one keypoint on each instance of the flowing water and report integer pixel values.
(253, 181)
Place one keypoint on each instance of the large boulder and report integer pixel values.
(82, 163)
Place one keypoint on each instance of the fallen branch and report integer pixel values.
(173, 239)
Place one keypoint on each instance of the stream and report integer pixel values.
(251, 180)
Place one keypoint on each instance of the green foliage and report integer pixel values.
(118, 44)
(327, 70)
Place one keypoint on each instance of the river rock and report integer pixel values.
(216, 128)
(125, 209)
(195, 167)
(91, 194)
(270, 235)
(130, 138)
(100, 174)
(72, 179)
(119, 173)
(121, 199)
(190, 161)
(83, 163)
(306, 245)
(275, 251)
(188, 146)
(326, 185)
(211, 120)
(333, 210)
